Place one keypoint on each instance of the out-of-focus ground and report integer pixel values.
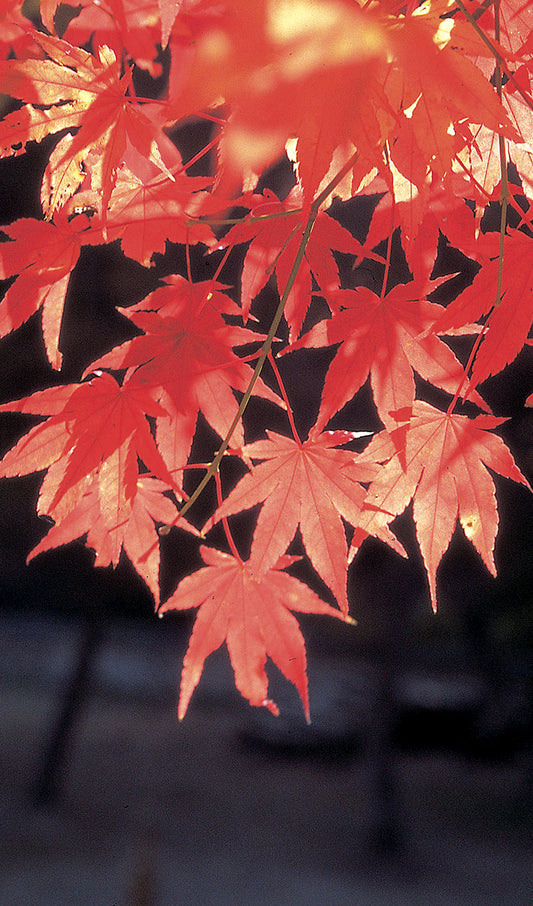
(222, 809)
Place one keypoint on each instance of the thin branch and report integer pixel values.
(504, 191)
(504, 195)
(233, 221)
(496, 54)
(313, 213)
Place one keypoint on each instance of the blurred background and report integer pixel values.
(413, 783)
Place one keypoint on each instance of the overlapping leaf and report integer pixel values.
(146, 213)
(112, 521)
(509, 323)
(482, 158)
(275, 232)
(310, 485)
(383, 337)
(44, 255)
(442, 463)
(132, 28)
(90, 446)
(309, 72)
(331, 73)
(185, 359)
(79, 413)
(421, 216)
(75, 90)
(441, 88)
(14, 37)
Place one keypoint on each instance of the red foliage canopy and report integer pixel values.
(429, 109)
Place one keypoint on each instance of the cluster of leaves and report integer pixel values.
(427, 108)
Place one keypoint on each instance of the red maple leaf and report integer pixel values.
(112, 521)
(147, 213)
(14, 30)
(338, 74)
(76, 90)
(132, 29)
(383, 337)
(275, 233)
(415, 101)
(44, 255)
(250, 611)
(310, 485)
(442, 464)
(481, 159)
(422, 213)
(79, 413)
(185, 359)
(508, 324)
(90, 446)
(300, 75)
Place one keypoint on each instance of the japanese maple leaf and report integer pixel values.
(250, 611)
(44, 255)
(146, 213)
(411, 101)
(381, 337)
(88, 423)
(508, 324)
(422, 214)
(14, 30)
(309, 72)
(275, 233)
(481, 158)
(333, 73)
(113, 520)
(440, 88)
(76, 90)
(185, 359)
(132, 28)
(310, 485)
(432, 87)
(442, 464)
